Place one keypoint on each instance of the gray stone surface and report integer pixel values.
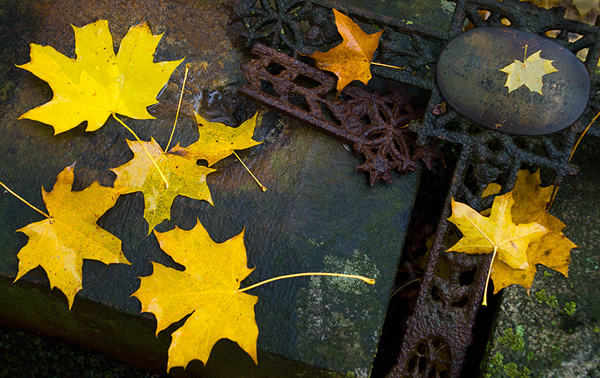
(555, 331)
(435, 14)
(319, 214)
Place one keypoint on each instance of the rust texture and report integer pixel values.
(374, 125)
(441, 328)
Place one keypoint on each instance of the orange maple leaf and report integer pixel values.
(184, 176)
(351, 59)
(553, 250)
(70, 234)
(207, 289)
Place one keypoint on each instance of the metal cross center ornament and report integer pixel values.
(513, 81)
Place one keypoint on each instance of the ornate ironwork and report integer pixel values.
(440, 330)
(374, 125)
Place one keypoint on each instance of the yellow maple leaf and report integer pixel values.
(553, 250)
(185, 178)
(351, 59)
(99, 83)
(584, 7)
(217, 141)
(496, 234)
(207, 289)
(528, 73)
(544, 3)
(61, 242)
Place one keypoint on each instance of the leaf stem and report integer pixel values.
(582, 135)
(264, 188)
(145, 149)
(365, 279)
(487, 280)
(23, 200)
(405, 285)
(555, 191)
(187, 69)
(386, 65)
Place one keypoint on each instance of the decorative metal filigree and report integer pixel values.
(374, 125)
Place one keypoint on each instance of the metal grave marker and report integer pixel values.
(471, 79)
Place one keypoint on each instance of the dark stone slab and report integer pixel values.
(435, 14)
(470, 78)
(319, 213)
(555, 331)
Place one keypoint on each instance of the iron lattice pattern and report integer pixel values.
(374, 125)
(440, 330)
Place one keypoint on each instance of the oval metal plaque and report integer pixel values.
(469, 77)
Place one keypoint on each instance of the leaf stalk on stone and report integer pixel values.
(209, 290)
(69, 234)
(160, 172)
(217, 141)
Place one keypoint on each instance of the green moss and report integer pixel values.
(513, 339)
(530, 356)
(596, 329)
(570, 308)
(542, 297)
(495, 365)
(512, 370)
(547, 274)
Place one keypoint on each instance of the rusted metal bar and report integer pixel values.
(374, 125)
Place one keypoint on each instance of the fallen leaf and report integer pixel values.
(99, 83)
(207, 289)
(185, 178)
(553, 250)
(584, 7)
(491, 189)
(496, 233)
(351, 59)
(217, 141)
(61, 242)
(528, 73)
(544, 3)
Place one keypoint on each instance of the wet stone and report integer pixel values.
(469, 77)
(318, 214)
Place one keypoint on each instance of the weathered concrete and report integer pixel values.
(555, 332)
(319, 214)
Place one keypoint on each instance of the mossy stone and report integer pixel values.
(558, 323)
